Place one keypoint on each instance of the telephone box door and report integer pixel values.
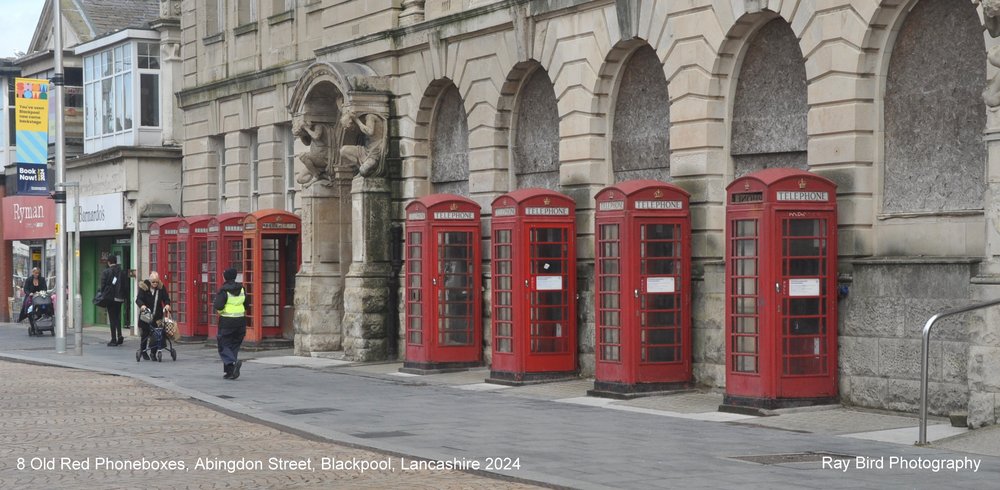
(805, 290)
(550, 305)
(454, 286)
(660, 301)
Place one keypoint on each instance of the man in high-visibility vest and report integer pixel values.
(232, 323)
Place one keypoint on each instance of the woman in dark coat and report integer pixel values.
(34, 283)
(152, 296)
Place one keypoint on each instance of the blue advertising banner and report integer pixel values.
(31, 117)
(32, 179)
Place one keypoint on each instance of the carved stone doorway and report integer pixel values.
(340, 111)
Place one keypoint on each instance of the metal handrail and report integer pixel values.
(925, 358)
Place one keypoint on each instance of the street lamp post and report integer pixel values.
(60, 196)
(75, 315)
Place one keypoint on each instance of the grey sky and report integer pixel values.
(17, 24)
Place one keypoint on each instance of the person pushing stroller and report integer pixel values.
(154, 304)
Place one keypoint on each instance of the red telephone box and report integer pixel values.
(781, 299)
(534, 287)
(192, 300)
(163, 253)
(272, 254)
(443, 284)
(225, 250)
(643, 289)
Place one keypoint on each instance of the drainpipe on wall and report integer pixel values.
(395, 265)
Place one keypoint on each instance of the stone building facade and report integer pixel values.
(884, 97)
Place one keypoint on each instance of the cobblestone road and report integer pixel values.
(122, 433)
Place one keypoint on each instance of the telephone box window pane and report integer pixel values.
(610, 266)
(610, 353)
(609, 232)
(745, 345)
(745, 248)
(658, 232)
(504, 267)
(804, 267)
(805, 227)
(610, 301)
(746, 325)
(745, 364)
(746, 286)
(660, 354)
(746, 228)
(745, 306)
(659, 301)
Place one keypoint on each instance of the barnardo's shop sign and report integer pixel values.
(97, 213)
(29, 218)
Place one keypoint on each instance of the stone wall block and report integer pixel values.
(982, 409)
(983, 365)
(858, 356)
(864, 391)
(955, 328)
(903, 395)
(955, 363)
(710, 375)
(875, 317)
(709, 346)
(900, 358)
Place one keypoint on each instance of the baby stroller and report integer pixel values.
(40, 314)
(158, 342)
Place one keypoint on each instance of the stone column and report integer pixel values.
(366, 294)
(319, 285)
(984, 346)
(413, 12)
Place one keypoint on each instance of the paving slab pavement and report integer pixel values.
(558, 439)
(69, 429)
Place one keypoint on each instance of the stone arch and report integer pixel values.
(319, 78)
(528, 116)
(444, 145)
(769, 105)
(933, 71)
(344, 262)
(639, 116)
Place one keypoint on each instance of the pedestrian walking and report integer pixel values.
(154, 303)
(32, 284)
(113, 281)
(232, 323)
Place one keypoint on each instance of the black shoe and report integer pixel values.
(113, 343)
(120, 341)
(228, 369)
(145, 355)
(236, 370)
